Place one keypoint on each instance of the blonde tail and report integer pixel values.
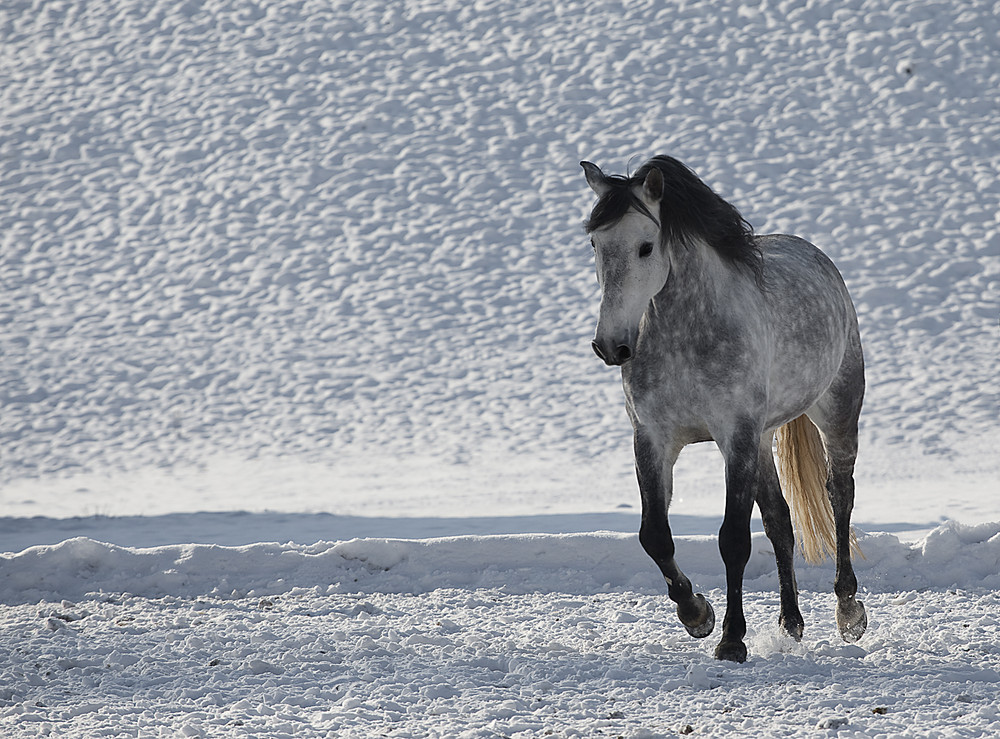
(803, 468)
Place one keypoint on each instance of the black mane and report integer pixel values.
(689, 211)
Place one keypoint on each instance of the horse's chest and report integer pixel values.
(697, 365)
(680, 394)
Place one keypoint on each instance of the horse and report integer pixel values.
(728, 336)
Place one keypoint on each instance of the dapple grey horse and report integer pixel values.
(723, 335)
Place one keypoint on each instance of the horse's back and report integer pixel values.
(814, 324)
(803, 281)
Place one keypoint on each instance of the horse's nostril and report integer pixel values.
(611, 356)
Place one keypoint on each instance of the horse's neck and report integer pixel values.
(698, 277)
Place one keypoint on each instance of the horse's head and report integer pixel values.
(631, 258)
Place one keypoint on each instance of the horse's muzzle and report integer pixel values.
(616, 356)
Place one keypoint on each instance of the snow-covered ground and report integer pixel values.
(524, 635)
(300, 430)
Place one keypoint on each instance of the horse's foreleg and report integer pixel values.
(653, 467)
(741, 453)
(778, 527)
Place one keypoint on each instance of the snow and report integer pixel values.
(301, 433)
(531, 635)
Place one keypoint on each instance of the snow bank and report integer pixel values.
(951, 556)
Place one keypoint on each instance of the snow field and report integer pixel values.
(488, 663)
(275, 260)
(351, 229)
(487, 636)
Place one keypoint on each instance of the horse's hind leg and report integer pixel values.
(653, 467)
(778, 527)
(851, 617)
(836, 415)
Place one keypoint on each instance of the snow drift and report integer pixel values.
(951, 556)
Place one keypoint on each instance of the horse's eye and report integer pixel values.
(645, 249)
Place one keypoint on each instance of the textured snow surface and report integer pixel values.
(485, 663)
(314, 228)
(318, 269)
(486, 636)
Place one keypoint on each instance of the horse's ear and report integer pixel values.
(652, 188)
(595, 177)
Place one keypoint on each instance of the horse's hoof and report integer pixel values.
(699, 620)
(733, 651)
(851, 619)
(792, 626)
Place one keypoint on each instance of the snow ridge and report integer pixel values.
(951, 556)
